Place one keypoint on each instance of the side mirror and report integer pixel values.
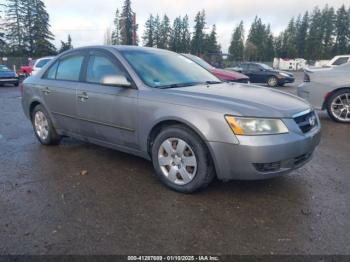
(116, 80)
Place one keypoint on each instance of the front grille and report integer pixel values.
(307, 121)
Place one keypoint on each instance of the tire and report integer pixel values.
(44, 131)
(16, 84)
(339, 102)
(200, 174)
(272, 81)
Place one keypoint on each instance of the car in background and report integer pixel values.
(35, 65)
(335, 62)
(262, 73)
(159, 105)
(223, 75)
(8, 76)
(329, 90)
(40, 63)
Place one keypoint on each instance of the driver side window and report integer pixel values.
(99, 67)
(254, 68)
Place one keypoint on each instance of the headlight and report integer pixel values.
(256, 126)
(283, 74)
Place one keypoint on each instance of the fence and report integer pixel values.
(15, 63)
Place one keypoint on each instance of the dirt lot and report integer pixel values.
(119, 207)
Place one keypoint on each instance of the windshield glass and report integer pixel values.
(158, 68)
(266, 67)
(4, 68)
(43, 62)
(199, 61)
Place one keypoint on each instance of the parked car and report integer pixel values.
(8, 76)
(155, 104)
(224, 75)
(261, 73)
(35, 65)
(329, 90)
(334, 62)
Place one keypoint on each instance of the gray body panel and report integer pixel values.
(323, 82)
(123, 118)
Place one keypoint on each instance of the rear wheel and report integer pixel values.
(181, 160)
(338, 106)
(272, 81)
(43, 127)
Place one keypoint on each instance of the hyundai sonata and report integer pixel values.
(164, 107)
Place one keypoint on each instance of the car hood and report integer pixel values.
(227, 75)
(237, 99)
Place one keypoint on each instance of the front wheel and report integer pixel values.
(43, 127)
(338, 106)
(272, 81)
(181, 160)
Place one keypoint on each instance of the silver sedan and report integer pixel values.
(329, 89)
(162, 106)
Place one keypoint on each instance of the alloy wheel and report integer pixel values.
(177, 161)
(340, 107)
(41, 125)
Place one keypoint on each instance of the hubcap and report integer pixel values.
(272, 81)
(340, 107)
(41, 125)
(177, 161)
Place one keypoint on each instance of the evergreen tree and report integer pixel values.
(185, 43)
(14, 26)
(315, 37)
(197, 45)
(66, 45)
(269, 49)
(148, 34)
(116, 30)
(301, 35)
(2, 35)
(255, 45)
(157, 32)
(175, 36)
(127, 24)
(165, 31)
(41, 31)
(236, 49)
(342, 31)
(328, 20)
(289, 40)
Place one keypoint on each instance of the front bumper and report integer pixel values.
(9, 80)
(286, 80)
(281, 154)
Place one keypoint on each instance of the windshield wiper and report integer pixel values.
(178, 85)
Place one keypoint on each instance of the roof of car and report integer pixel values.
(118, 47)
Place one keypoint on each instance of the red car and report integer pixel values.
(27, 70)
(224, 75)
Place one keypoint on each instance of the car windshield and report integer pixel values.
(266, 67)
(42, 62)
(199, 61)
(4, 68)
(164, 69)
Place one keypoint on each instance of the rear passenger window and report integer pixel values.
(341, 60)
(51, 73)
(69, 68)
(100, 67)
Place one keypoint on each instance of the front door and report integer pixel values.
(107, 113)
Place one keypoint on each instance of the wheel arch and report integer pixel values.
(329, 95)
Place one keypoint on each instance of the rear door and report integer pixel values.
(256, 74)
(107, 113)
(58, 89)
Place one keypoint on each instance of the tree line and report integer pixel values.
(26, 30)
(319, 34)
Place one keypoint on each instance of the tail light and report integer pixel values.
(306, 77)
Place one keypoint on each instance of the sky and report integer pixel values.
(87, 20)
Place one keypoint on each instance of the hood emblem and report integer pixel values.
(312, 121)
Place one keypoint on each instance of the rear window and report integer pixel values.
(341, 60)
(41, 63)
(69, 68)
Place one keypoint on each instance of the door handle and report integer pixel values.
(46, 91)
(83, 96)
